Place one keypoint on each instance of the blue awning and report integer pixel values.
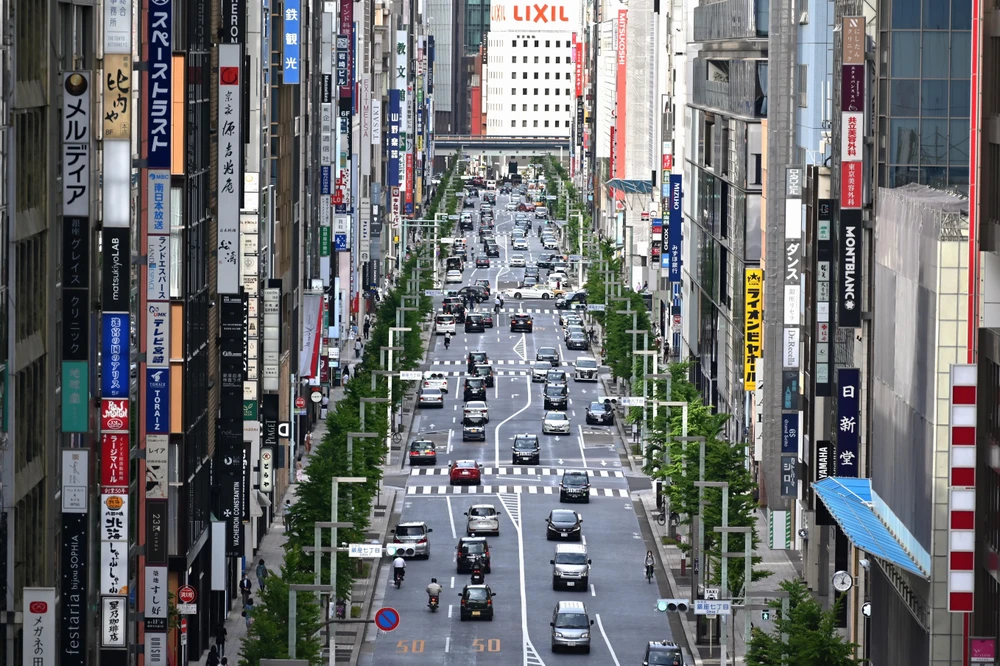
(852, 504)
(631, 186)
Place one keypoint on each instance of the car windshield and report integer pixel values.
(555, 416)
(474, 382)
(571, 558)
(563, 516)
(542, 365)
(476, 594)
(555, 390)
(547, 351)
(422, 446)
(410, 530)
(572, 621)
(586, 363)
(524, 443)
(478, 356)
(664, 658)
(430, 392)
(575, 480)
(474, 548)
(597, 407)
(483, 511)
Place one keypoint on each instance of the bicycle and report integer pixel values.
(661, 517)
(649, 574)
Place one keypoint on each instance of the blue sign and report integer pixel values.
(790, 433)
(324, 179)
(343, 61)
(387, 618)
(290, 41)
(340, 242)
(115, 354)
(392, 137)
(848, 421)
(160, 19)
(158, 401)
(673, 248)
(408, 209)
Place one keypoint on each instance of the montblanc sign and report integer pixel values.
(849, 269)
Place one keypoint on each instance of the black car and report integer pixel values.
(525, 450)
(486, 372)
(577, 341)
(545, 260)
(475, 358)
(423, 452)
(487, 318)
(465, 224)
(600, 413)
(477, 602)
(483, 284)
(564, 525)
(478, 293)
(474, 323)
(455, 264)
(531, 271)
(568, 299)
(468, 204)
(482, 261)
(556, 377)
(556, 397)
(474, 388)
(663, 653)
(521, 322)
(492, 250)
(550, 354)
(473, 429)
(575, 485)
(468, 549)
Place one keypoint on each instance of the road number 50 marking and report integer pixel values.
(410, 646)
(489, 645)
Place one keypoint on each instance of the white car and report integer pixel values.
(585, 369)
(436, 380)
(519, 244)
(482, 519)
(511, 205)
(570, 319)
(476, 409)
(555, 423)
(516, 261)
(540, 370)
(453, 277)
(550, 244)
(537, 291)
(444, 323)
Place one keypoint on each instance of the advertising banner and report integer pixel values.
(38, 639)
(790, 433)
(511, 15)
(114, 459)
(73, 587)
(159, 18)
(674, 228)
(158, 400)
(117, 28)
(578, 66)
(115, 269)
(234, 21)
(848, 421)
(621, 105)
(114, 613)
(230, 164)
(290, 41)
(117, 95)
(823, 380)
(76, 123)
(377, 122)
(392, 168)
(75, 481)
(75, 396)
(115, 354)
(753, 326)
(849, 264)
(76, 289)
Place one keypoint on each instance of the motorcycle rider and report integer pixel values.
(447, 339)
(433, 590)
(398, 568)
(497, 304)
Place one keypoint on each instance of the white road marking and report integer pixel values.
(583, 539)
(449, 611)
(593, 592)
(451, 519)
(607, 642)
(527, 646)
(450, 432)
(583, 456)
(452, 587)
(447, 639)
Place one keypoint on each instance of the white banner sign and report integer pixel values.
(230, 165)
(75, 475)
(38, 638)
(377, 122)
(114, 566)
(113, 617)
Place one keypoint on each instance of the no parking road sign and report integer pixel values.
(386, 618)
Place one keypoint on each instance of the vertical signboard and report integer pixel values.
(270, 360)
(621, 98)
(38, 637)
(392, 167)
(849, 268)
(158, 93)
(117, 94)
(852, 131)
(962, 488)
(674, 228)
(250, 277)
(290, 41)
(230, 161)
(344, 57)
(76, 122)
(74, 557)
(792, 277)
(848, 421)
(117, 27)
(753, 320)
(823, 323)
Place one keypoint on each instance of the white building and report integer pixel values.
(530, 88)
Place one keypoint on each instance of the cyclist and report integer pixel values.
(447, 339)
(649, 565)
(497, 304)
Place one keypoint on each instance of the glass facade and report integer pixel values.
(924, 93)
(477, 24)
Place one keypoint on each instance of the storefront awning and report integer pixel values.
(853, 506)
(630, 186)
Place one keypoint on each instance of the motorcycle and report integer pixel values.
(478, 577)
(398, 577)
(432, 603)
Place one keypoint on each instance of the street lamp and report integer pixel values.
(392, 331)
(747, 533)
(701, 498)
(365, 401)
(700, 485)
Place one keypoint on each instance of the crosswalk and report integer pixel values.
(516, 489)
(519, 471)
(501, 361)
(498, 373)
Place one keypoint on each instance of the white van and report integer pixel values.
(445, 323)
(491, 185)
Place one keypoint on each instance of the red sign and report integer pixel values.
(38, 607)
(187, 594)
(300, 402)
(114, 463)
(621, 99)
(184, 625)
(337, 197)
(409, 178)
(229, 76)
(324, 370)
(851, 184)
(667, 162)
(114, 415)
(578, 66)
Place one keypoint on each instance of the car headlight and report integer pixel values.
(585, 634)
(559, 634)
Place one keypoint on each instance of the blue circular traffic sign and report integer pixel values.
(386, 618)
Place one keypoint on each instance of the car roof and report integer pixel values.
(483, 506)
(571, 548)
(555, 413)
(421, 442)
(570, 607)
(662, 645)
(412, 523)
(465, 463)
(576, 472)
(467, 539)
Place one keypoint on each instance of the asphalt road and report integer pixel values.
(619, 599)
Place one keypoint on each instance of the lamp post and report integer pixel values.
(365, 401)
(645, 387)
(747, 533)
(724, 644)
(699, 541)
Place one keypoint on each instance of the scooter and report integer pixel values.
(398, 577)
(432, 603)
(478, 577)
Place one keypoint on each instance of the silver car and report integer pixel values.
(482, 519)
(555, 423)
(411, 540)
(570, 567)
(571, 626)
(540, 370)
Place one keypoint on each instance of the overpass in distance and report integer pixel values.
(500, 146)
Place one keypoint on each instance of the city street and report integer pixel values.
(618, 599)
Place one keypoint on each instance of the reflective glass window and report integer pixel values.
(906, 14)
(935, 52)
(959, 105)
(934, 141)
(904, 97)
(961, 54)
(936, 14)
(906, 54)
(903, 141)
(934, 98)
(961, 15)
(959, 141)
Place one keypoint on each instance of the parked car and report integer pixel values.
(422, 452)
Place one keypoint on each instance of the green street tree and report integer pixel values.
(724, 461)
(267, 637)
(813, 639)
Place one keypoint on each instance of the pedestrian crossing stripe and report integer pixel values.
(516, 361)
(519, 490)
(520, 471)
(498, 373)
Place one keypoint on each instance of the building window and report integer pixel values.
(524, 123)
(546, 91)
(536, 60)
(548, 44)
(567, 92)
(557, 44)
(524, 75)
(536, 75)
(536, 108)
(513, 123)
(513, 107)
(536, 43)
(803, 85)
(525, 43)
(546, 107)
(547, 59)
(524, 107)
(513, 74)
(536, 91)
(557, 91)
(546, 75)
(513, 91)
(546, 123)
(557, 124)
(536, 123)
(524, 91)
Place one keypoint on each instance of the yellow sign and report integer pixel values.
(117, 96)
(753, 330)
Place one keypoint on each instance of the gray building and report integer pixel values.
(446, 23)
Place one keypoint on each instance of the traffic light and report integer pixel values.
(765, 615)
(672, 605)
(394, 549)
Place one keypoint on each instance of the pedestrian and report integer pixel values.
(286, 514)
(262, 574)
(248, 612)
(213, 657)
(347, 374)
(357, 348)
(220, 638)
(225, 661)
(245, 587)
(367, 328)
(308, 443)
